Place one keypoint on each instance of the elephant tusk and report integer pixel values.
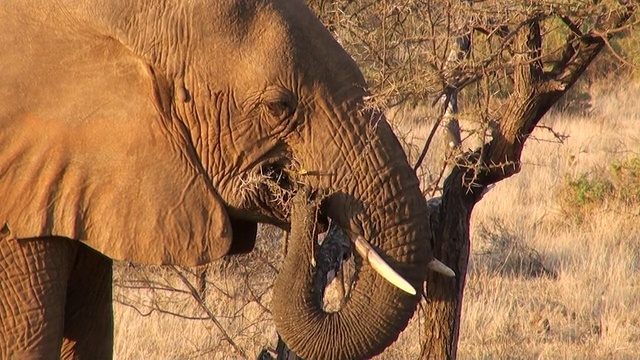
(381, 267)
(439, 267)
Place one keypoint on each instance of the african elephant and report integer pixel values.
(162, 132)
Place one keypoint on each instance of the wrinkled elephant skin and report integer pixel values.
(162, 132)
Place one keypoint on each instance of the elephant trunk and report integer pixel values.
(386, 207)
(369, 321)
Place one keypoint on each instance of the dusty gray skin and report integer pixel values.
(139, 129)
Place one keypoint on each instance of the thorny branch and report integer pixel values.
(236, 287)
(432, 133)
(203, 306)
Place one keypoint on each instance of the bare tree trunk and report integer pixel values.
(450, 226)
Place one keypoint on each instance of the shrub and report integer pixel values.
(626, 179)
(582, 195)
(588, 190)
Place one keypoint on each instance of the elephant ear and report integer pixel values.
(91, 154)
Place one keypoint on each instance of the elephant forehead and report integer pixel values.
(259, 43)
(244, 47)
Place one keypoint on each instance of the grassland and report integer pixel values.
(554, 274)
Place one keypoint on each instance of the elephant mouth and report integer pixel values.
(267, 191)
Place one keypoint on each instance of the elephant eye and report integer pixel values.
(280, 109)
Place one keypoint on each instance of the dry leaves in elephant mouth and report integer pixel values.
(280, 185)
(270, 188)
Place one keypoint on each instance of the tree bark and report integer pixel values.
(450, 226)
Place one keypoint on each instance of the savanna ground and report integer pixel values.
(554, 272)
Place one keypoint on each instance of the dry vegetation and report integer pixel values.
(543, 283)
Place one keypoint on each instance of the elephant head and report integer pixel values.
(164, 131)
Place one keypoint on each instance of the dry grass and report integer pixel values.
(540, 285)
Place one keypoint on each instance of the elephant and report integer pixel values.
(163, 132)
